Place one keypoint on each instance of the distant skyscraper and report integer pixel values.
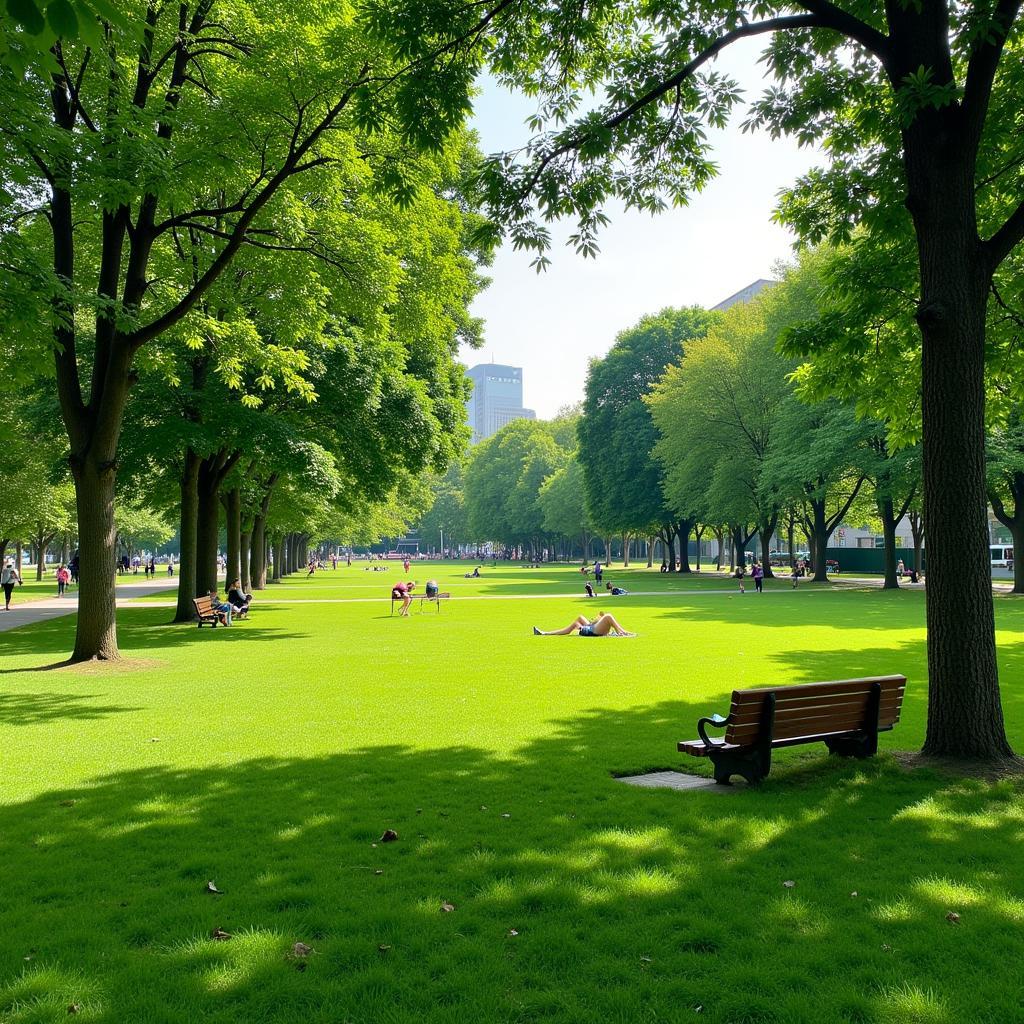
(497, 399)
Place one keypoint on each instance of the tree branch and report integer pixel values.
(983, 64)
(687, 71)
(1002, 243)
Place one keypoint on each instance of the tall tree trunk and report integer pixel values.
(258, 558)
(819, 540)
(1014, 522)
(245, 542)
(887, 513)
(188, 485)
(280, 560)
(917, 533)
(625, 550)
(765, 532)
(40, 557)
(650, 552)
(683, 529)
(96, 633)
(720, 542)
(207, 526)
(965, 715)
(233, 517)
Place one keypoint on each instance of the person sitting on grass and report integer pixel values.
(615, 591)
(474, 575)
(239, 600)
(604, 625)
(403, 592)
(222, 608)
(589, 589)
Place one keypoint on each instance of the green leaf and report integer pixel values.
(27, 14)
(63, 20)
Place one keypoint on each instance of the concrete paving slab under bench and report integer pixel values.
(676, 780)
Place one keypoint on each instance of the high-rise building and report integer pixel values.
(744, 294)
(497, 399)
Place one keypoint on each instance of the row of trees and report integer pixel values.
(237, 247)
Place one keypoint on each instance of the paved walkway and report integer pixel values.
(54, 607)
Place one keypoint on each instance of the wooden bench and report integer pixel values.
(206, 612)
(432, 599)
(846, 716)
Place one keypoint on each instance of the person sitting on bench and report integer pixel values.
(223, 609)
(615, 591)
(604, 625)
(240, 601)
(403, 592)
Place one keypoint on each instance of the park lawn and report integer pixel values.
(503, 580)
(269, 758)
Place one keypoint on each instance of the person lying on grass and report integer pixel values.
(615, 591)
(604, 625)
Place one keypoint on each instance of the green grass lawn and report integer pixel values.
(269, 758)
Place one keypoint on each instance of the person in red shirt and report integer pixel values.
(403, 592)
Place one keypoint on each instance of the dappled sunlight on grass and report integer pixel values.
(273, 765)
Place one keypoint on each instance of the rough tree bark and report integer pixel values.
(189, 492)
(233, 519)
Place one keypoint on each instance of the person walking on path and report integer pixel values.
(63, 578)
(741, 571)
(9, 579)
(758, 573)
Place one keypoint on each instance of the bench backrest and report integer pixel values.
(814, 709)
(203, 605)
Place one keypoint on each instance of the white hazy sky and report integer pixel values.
(551, 324)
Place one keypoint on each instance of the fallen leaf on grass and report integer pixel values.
(211, 886)
(789, 884)
(447, 908)
(390, 835)
(154, 739)
(953, 917)
(74, 1008)
(67, 803)
(382, 948)
(219, 935)
(853, 894)
(506, 815)
(379, 871)
(513, 932)
(646, 960)
(698, 1008)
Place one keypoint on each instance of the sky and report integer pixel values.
(552, 324)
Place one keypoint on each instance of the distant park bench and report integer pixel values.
(434, 599)
(846, 716)
(206, 612)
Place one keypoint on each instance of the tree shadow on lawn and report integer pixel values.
(575, 897)
(35, 708)
(143, 630)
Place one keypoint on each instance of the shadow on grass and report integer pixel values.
(575, 897)
(144, 629)
(35, 708)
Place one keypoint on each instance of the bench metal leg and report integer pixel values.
(753, 763)
(865, 743)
